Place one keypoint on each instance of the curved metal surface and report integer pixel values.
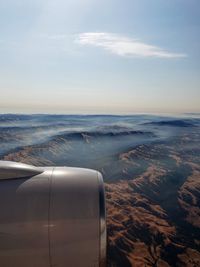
(74, 218)
(52, 216)
(10, 170)
(24, 221)
(102, 214)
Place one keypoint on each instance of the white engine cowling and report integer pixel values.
(51, 216)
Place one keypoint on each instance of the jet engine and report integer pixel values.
(51, 216)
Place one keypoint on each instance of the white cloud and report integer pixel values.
(124, 46)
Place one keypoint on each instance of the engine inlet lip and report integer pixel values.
(102, 214)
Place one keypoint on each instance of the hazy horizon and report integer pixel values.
(161, 114)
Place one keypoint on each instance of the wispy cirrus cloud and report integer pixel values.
(124, 46)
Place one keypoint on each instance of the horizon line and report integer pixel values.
(102, 114)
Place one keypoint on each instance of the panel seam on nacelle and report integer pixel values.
(49, 218)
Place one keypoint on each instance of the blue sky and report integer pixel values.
(92, 56)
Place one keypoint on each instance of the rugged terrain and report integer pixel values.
(151, 168)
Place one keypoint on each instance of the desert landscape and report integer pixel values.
(151, 169)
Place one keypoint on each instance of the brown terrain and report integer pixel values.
(153, 205)
(154, 218)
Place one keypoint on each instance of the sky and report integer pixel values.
(99, 56)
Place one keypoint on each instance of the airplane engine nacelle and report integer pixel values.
(51, 216)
